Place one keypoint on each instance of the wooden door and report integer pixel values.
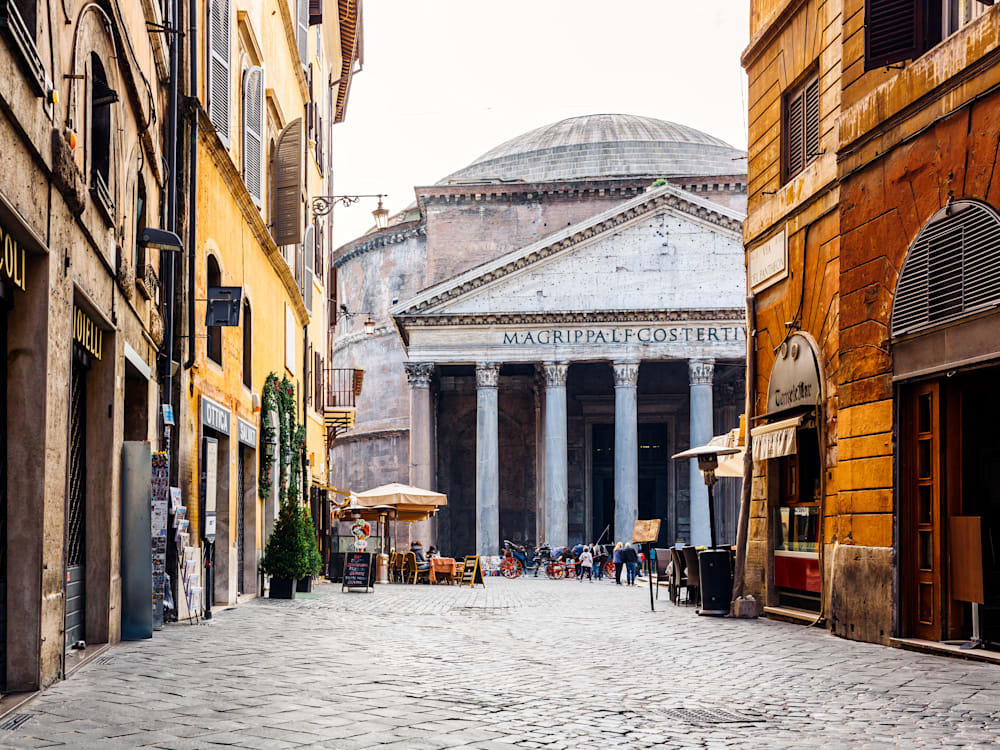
(923, 529)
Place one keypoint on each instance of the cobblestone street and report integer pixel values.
(526, 663)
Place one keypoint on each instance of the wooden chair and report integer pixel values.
(396, 568)
(413, 574)
(693, 575)
(662, 557)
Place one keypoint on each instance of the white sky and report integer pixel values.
(446, 80)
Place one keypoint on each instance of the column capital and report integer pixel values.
(555, 374)
(487, 374)
(419, 373)
(626, 373)
(701, 371)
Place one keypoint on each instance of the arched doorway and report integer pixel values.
(946, 363)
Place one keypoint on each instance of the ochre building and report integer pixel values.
(872, 249)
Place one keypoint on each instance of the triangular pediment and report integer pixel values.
(664, 250)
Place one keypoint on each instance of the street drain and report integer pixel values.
(710, 716)
(15, 722)
(105, 660)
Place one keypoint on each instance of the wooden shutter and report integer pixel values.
(253, 130)
(286, 182)
(795, 147)
(811, 120)
(893, 30)
(315, 12)
(217, 75)
(302, 29)
(309, 252)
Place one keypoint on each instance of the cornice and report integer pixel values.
(769, 30)
(571, 317)
(614, 218)
(391, 236)
(251, 214)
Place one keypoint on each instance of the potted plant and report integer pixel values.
(315, 562)
(286, 557)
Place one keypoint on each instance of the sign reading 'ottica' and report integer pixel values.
(214, 415)
(87, 334)
(12, 262)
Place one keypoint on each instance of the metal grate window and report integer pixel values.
(951, 271)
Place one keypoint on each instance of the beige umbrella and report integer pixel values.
(411, 503)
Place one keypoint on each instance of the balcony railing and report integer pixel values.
(341, 387)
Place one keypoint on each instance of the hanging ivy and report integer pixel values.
(278, 397)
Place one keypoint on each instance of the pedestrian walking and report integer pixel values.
(616, 558)
(600, 558)
(631, 559)
(586, 564)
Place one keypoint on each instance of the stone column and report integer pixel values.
(487, 459)
(556, 488)
(421, 474)
(700, 373)
(626, 448)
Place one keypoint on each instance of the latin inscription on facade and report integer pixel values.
(711, 334)
(768, 263)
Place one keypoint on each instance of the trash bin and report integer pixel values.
(716, 582)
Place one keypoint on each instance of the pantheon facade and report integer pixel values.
(553, 322)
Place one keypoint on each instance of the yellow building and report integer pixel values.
(272, 78)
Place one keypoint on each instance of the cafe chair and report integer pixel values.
(662, 558)
(678, 576)
(693, 577)
(413, 574)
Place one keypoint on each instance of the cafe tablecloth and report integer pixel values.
(442, 566)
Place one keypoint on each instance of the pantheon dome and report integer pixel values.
(604, 146)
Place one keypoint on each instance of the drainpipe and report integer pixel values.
(743, 529)
(193, 175)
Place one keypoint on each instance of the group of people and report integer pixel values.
(590, 559)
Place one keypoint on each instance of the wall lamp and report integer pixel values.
(369, 324)
(323, 204)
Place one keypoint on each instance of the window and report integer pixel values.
(214, 347)
(302, 30)
(19, 20)
(247, 345)
(217, 75)
(309, 255)
(801, 132)
(253, 132)
(899, 30)
(286, 185)
(102, 97)
(138, 259)
(317, 381)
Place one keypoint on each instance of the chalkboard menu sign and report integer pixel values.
(359, 571)
(472, 572)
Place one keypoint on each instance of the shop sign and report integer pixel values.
(795, 378)
(768, 263)
(87, 333)
(246, 433)
(12, 263)
(214, 415)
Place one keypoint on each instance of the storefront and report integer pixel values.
(246, 507)
(946, 365)
(215, 428)
(789, 442)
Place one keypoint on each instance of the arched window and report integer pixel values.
(102, 96)
(214, 349)
(247, 345)
(952, 270)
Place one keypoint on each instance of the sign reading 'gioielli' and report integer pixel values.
(87, 333)
(13, 260)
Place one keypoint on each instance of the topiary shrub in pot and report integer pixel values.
(286, 556)
(315, 561)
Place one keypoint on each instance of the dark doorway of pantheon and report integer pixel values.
(653, 493)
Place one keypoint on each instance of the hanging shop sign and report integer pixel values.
(87, 333)
(214, 415)
(12, 262)
(795, 378)
(246, 433)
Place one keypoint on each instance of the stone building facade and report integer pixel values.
(538, 338)
(885, 240)
(81, 112)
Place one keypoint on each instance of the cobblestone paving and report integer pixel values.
(521, 664)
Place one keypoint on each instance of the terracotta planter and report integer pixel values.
(282, 588)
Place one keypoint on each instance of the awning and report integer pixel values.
(776, 439)
(730, 465)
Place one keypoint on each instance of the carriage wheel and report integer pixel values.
(609, 569)
(571, 571)
(509, 568)
(520, 568)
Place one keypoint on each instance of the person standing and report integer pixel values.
(586, 564)
(616, 558)
(631, 559)
(600, 557)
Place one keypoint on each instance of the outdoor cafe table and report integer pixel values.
(445, 567)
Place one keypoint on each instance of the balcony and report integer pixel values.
(341, 387)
